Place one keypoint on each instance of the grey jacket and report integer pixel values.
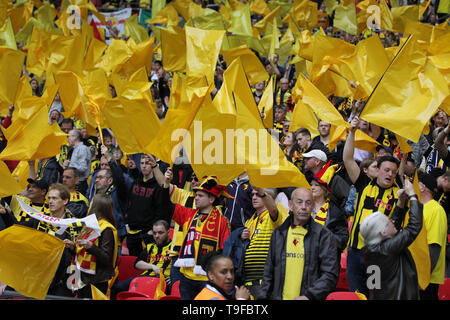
(321, 269)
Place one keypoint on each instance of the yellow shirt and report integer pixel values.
(295, 261)
(435, 221)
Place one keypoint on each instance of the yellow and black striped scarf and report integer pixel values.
(322, 214)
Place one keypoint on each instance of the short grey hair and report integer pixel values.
(372, 226)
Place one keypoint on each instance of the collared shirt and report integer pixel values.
(81, 160)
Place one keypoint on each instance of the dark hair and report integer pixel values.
(102, 207)
(389, 159)
(280, 106)
(163, 223)
(366, 163)
(303, 131)
(68, 120)
(76, 172)
(207, 261)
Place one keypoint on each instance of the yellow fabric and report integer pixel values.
(202, 51)
(159, 292)
(173, 47)
(240, 21)
(259, 7)
(12, 63)
(265, 105)
(97, 294)
(42, 253)
(295, 261)
(435, 221)
(345, 19)
(134, 30)
(8, 184)
(7, 35)
(420, 89)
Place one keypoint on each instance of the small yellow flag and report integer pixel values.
(8, 184)
(29, 260)
(159, 292)
(97, 294)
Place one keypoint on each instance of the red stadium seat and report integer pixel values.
(444, 290)
(170, 298)
(175, 291)
(341, 295)
(343, 282)
(126, 268)
(145, 285)
(130, 295)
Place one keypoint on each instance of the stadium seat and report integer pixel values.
(130, 295)
(444, 290)
(145, 285)
(124, 250)
(340, 295)
(175, 291)
(343, 282)
(126, 268)
(170, 298)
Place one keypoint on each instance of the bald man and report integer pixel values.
(295, 277)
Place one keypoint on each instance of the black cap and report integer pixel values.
(429, 180)
(41, 184)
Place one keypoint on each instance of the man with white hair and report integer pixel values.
(387, 249)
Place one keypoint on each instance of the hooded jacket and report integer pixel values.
(321, 269)
(239, 209)
(398, 270)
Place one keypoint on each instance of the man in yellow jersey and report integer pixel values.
(302, 263)
(377, 194)
(435, 222)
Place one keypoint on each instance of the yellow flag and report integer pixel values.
(419, 248)
(21, 174)
(187, 9)
(240, 21)
(157, 6)
(142, 54)
(97, 294)
(8, 184)
(304, 14)
(345, 19)
(12, 63)
(94, 54)
(159, 292)
(238, 140)
(312, 97)
(261, 24)
(253, 67)
(444, 6)
(7, 35)
(266, 105)
(362, 140)
(202, 51)
(259, 7)
(423, 6)
(387, 20)
(420, 90)
(173, 47)
(304, 117)
(29, 260)
(134, 30)
(399, 15)
(168, 16)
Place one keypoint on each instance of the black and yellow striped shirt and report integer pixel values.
(371, 198)
(159, 256)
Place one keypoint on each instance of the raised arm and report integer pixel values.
(349, 148)
(439, 143)
(268, 201)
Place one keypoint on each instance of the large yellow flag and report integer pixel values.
(168, 16)
(322, 107)
(240, 21)
(29, 260)
(33, 138)
(253, 67)
(7, 35)
(259, 7)
(202, 51)
(173, 47)
(345, 19)
(11, 62)
(408, 94)
(8, 184)
(134, 30)
(238, 140)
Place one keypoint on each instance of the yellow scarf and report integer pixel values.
(86, 262)
(322, 214)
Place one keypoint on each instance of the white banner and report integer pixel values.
(115, 19)
(90, 221)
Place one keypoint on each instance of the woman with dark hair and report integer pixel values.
(96, 258)
(292, 150)
(220, 272)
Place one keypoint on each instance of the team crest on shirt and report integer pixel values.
(295, 242)
(389, 197)
(245, 187)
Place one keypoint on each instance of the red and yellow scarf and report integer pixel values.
(202, 236)
(85, 261)
(322, 214)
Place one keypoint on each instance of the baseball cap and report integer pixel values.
(41, 184)
(316, 153)
(429, 180)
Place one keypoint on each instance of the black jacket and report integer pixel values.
(321, 269)
(338, 225)
(398, 270)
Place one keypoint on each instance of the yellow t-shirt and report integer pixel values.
(295, 261)
(435, 221)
